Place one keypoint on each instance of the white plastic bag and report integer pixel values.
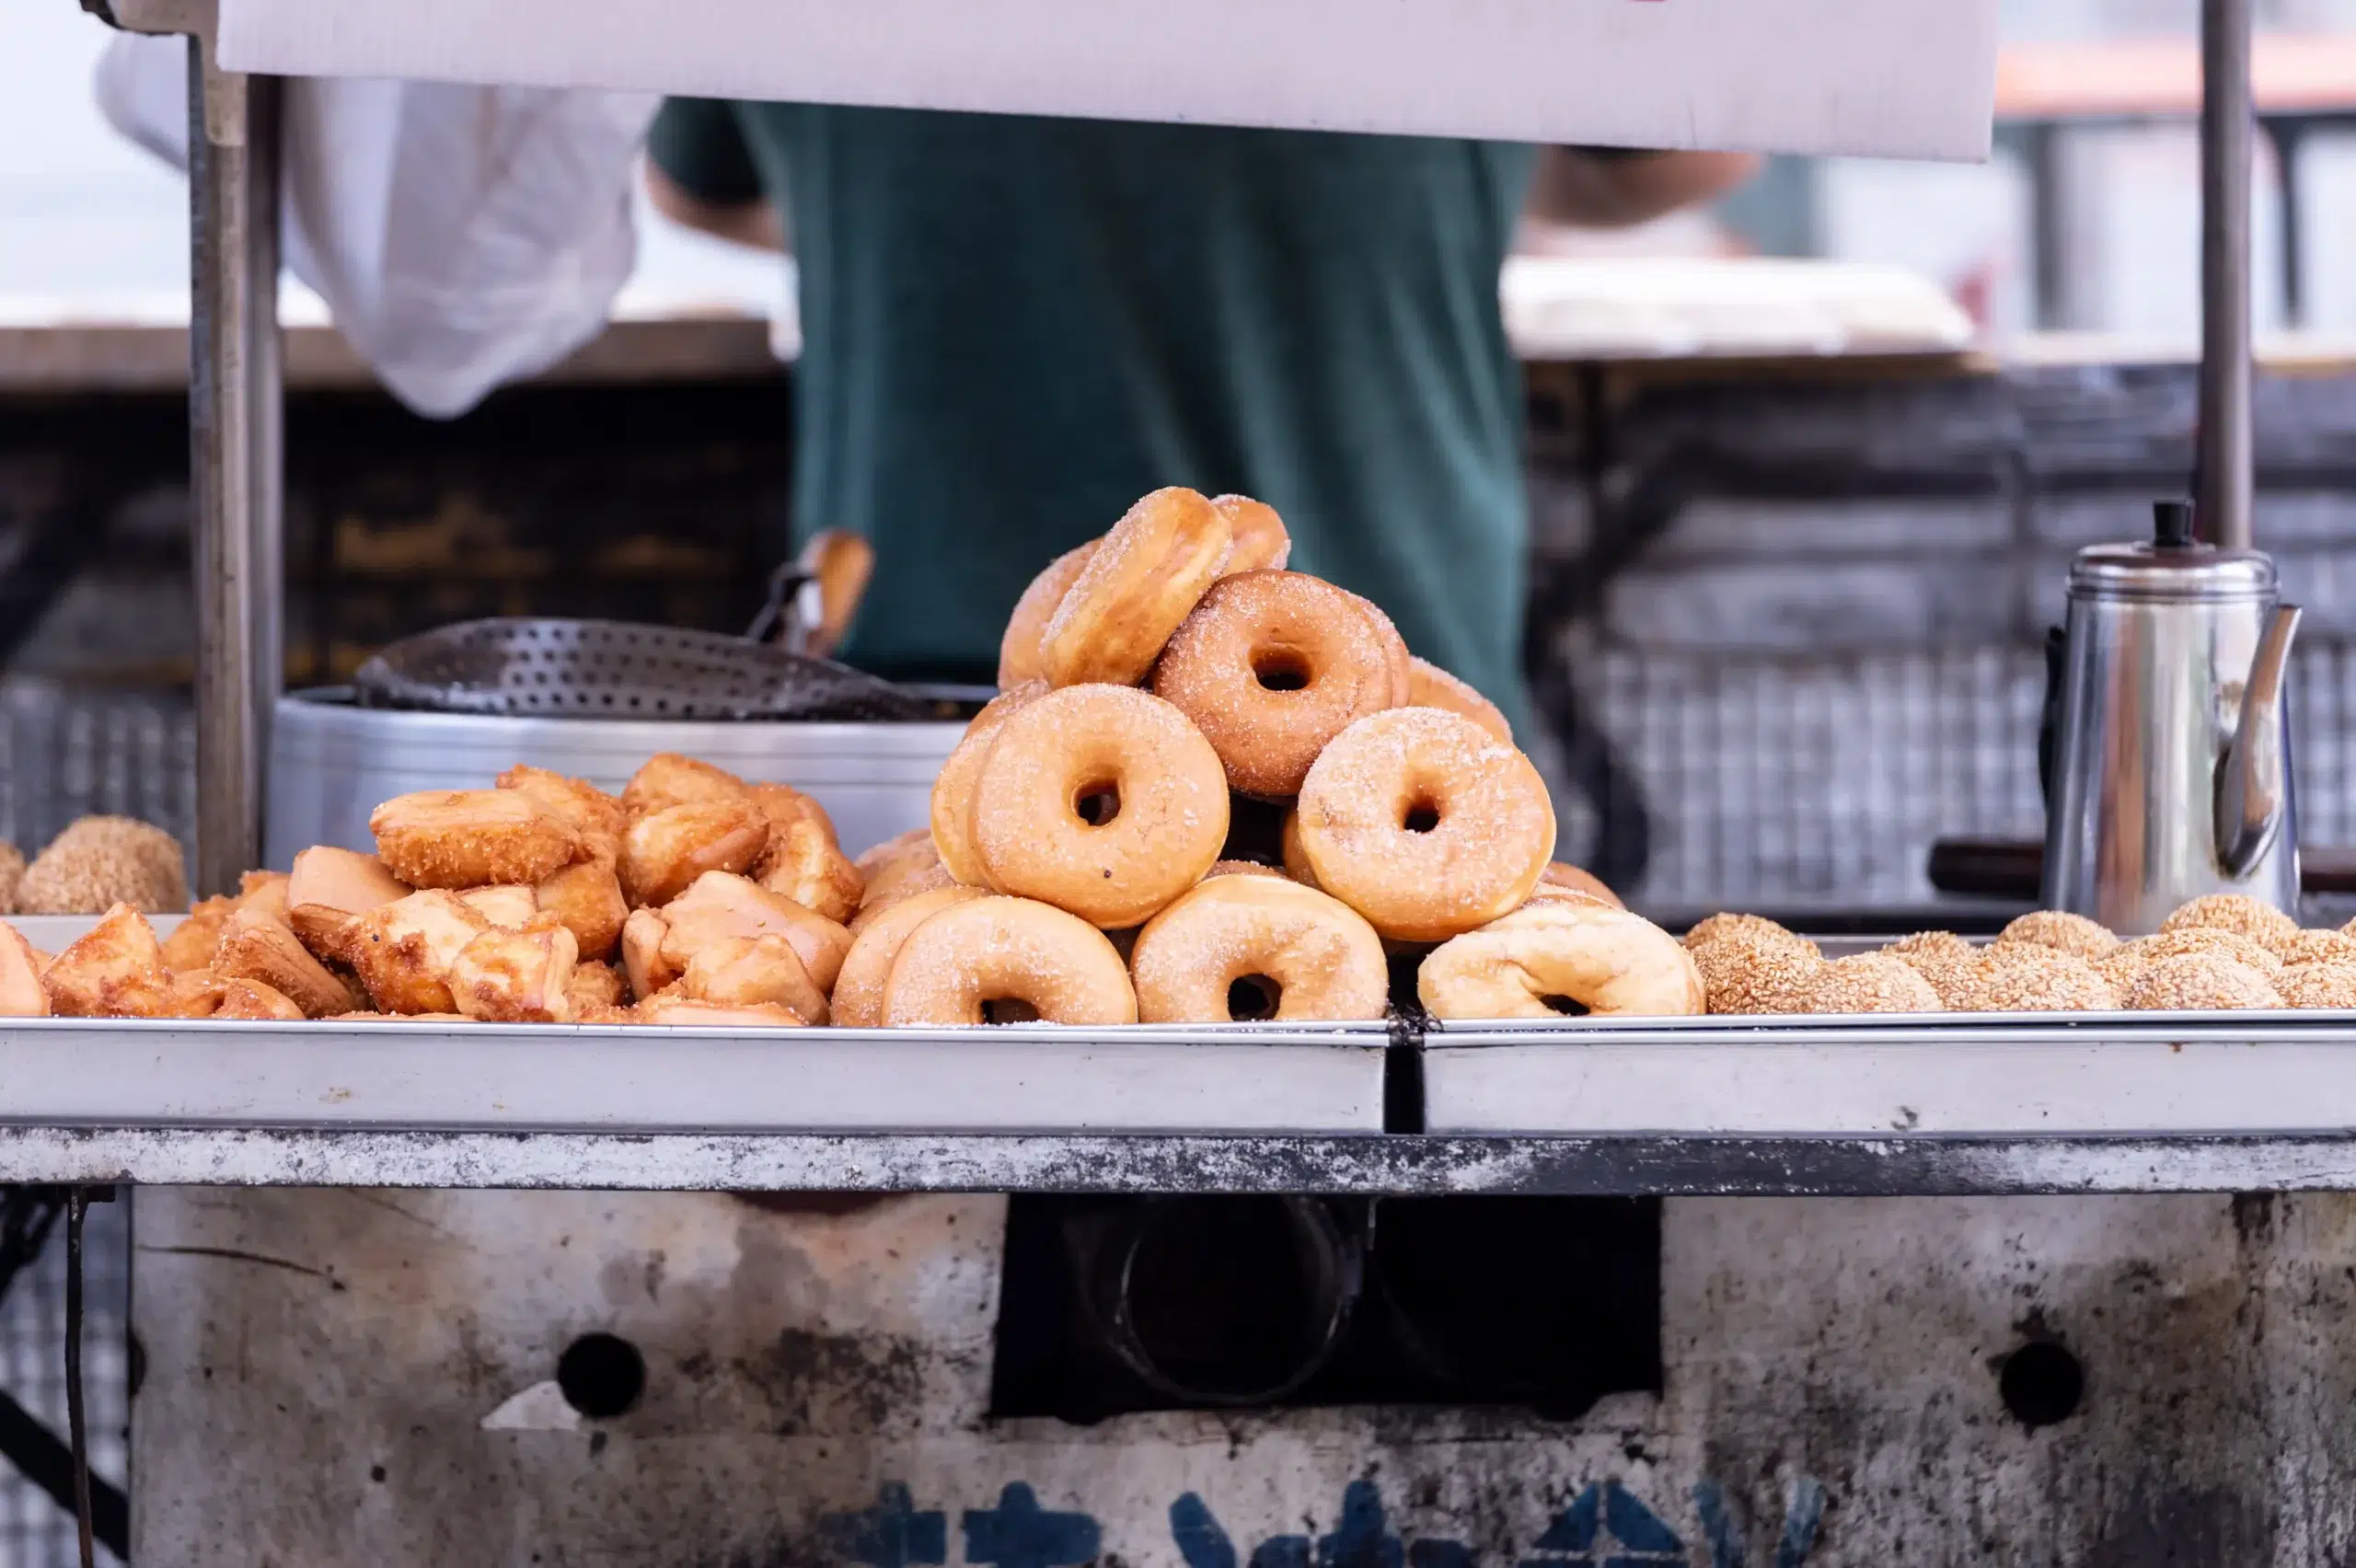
(462, 236)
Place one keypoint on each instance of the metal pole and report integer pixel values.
(234, 446)
(2225, 460)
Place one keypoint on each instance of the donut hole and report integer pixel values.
(1251, 998)
(1097, 803)
(1570, 1007)
(1421, 815)
(1280, 669)
(1008, 1009)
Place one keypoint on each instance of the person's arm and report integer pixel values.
(1609, 187)
(699, 174)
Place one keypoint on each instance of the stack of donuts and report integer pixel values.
(1164, 682)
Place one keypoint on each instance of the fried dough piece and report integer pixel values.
(666, 850)
(327, 892)
(21, 995)
(669, 779)
(594, 985)
(606, 1015)
(454, 838)
(196, 993)
(718, 905)
(783, 804)
(510, 906)
(596, 817)
(805, 864)
(643, 964)
(99, 862)
(673, 1008)
(740, 972)
(265, 893)
(511, 976)
(252, 999)
(194, 939)
(587, 898)
(256, 947)
(404, 950)
(116, 970)
(398, 1018)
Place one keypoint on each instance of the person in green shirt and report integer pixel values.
(1014, 327)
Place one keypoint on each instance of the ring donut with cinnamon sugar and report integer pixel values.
(1428, 686)
(1019, 660)
(997, 959)
(1422, 822)
(1270, 666)
(867, 968)
(952, 787)
(1597, 959)
(1104, 801)
(1261, 541)
(1263, 943)
(1143, 581)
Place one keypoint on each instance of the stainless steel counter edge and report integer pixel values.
(1362, 1163)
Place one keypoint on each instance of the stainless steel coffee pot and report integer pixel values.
(2171, 764)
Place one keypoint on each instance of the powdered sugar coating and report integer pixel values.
(1260, 543)
(1428, 686)
(1171, 821)
(995, 949)
(1139, 585)
(1019, 659)
(1611, 962)
(953, 786)
(1259, 622)
(857, 1001)
(1492, 833)
(1325, 961)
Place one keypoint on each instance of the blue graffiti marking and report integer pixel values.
(1802, 1517)
(1439, 1554)
(1358, 1540)
(1019, 1534)
(890, 1535)
(1201, 1543)
(1727, 1549)
(1605, 1527)
(1281, 1551)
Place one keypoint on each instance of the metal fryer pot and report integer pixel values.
(331, 763)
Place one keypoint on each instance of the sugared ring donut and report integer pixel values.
(1258, 947)
(1296, 858)
(1244, 868)
(1424, 825)
(1394, 647)
(1261, 542)
(1142, 581)
(1101, 800)
(1017, 652)
(1428, 686)
(1607, 961)
(1563, 874)
(1270, 666)
(995, 960)
(952, 787)
(857, 1001)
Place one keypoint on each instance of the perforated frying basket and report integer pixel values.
(525, 667)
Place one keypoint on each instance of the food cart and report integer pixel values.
(661, 1427)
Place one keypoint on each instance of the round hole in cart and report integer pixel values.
(602, 1376)
(2041, 1383)
(1232, 1297)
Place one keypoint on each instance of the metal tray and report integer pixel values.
(1946, 1075)
(1015, 1078)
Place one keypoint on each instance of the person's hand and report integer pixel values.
(1613, 188)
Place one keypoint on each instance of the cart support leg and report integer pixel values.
(2225, 460)
(236, 456)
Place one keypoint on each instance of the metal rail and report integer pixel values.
(236, 459)
(1370, 1163)
(2224, 462)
